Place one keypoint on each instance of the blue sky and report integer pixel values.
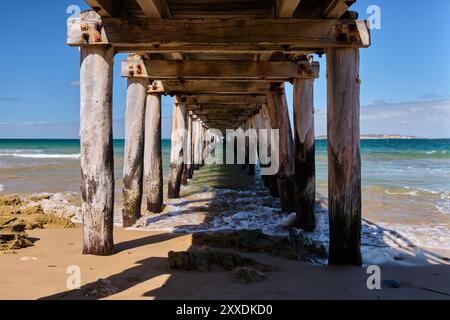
(405, 74)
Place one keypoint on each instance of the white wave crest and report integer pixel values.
(41, 155)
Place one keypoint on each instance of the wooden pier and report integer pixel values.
(226, 63)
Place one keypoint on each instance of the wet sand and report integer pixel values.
(140, 270)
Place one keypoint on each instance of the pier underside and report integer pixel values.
(226, 64)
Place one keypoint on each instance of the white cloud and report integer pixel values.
(74, 84)
(418, 118)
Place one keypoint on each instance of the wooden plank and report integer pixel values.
(286, 8)
(209, 49)
(134, 150)
(149, 33)
(225, 70)
(220, 87)
(155, 9)
(153, 169)
(305, 167)
(105, 8)
(344, 158)
(97, 161)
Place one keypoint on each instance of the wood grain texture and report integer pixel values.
(97, 163)
(153, 168)
(286, 8)
(279, 114)
(178, 148)
(148, 33)
(305, 168)
(344, 159)
(223, 70)
(134, 150)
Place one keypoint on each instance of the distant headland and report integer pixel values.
(381, 137)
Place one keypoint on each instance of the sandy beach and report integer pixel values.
(140, 270)
(214, 201)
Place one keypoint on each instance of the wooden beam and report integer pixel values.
(286, 8)
(225, 70)
(223, 99)
(221, 87)
(155, 9)
(105, 8)
(344, 156)
(329, 33)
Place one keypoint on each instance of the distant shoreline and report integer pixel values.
(386, 137)
(363, 137)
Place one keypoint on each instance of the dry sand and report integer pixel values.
(140, 270)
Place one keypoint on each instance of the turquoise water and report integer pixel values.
(395, 174)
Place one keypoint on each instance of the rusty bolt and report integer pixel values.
(84, 26)
(98, 37)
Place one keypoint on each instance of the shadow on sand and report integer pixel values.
(289, 281)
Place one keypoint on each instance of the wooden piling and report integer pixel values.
(198, 142)
(286, 173)
(187, 172)
(269, 121)
(134, 150)
(344, 159)
(177, 153)
(153, 169)
(97, 162)
(305, 168)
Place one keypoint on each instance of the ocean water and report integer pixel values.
(406, 188)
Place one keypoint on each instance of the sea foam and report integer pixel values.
(41, 155)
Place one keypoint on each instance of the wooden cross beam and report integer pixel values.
(219, 87)
(225, 70)
(212, 99)
(90, 29)
(221, 107)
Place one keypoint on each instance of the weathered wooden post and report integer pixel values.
(286, 174)
(305, 168)
(198, 142)
(153, 169)
(246, 150)
(250, 149)
(134, 150)
(178, 149)
(344, 159)
(271, 180)
(187, 172)
(97, 162)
